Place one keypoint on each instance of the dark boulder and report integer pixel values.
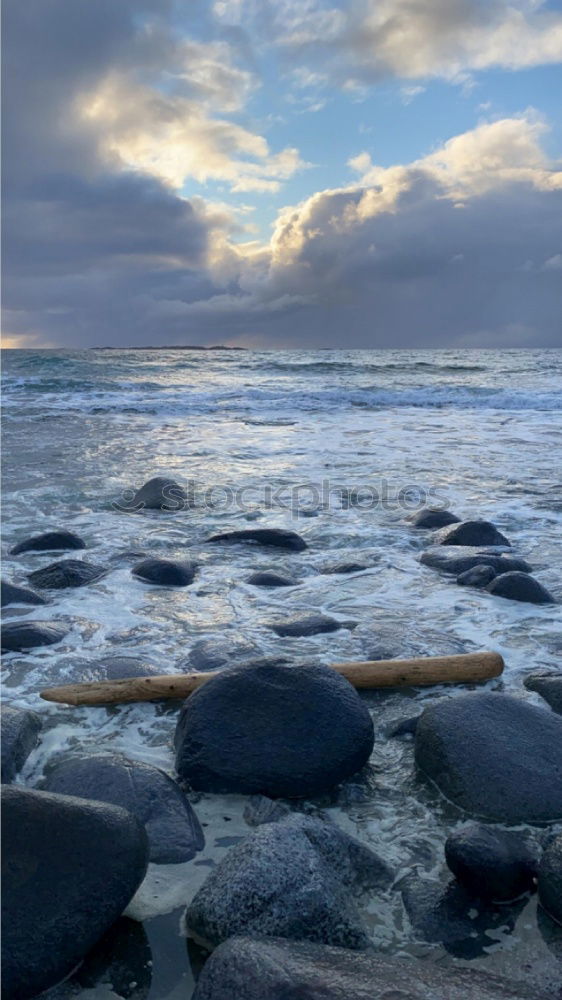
(519, 587)
(20, 733)
(173, 830)
(49, 541)
(212, 654)
(304, 625)
(297, 878)
(69, 868)
(17, 636)
(277, 537)
(268, 578)
(10, 594)
(457, 559)
(66, 573)
(346, 566)
(478, 576)
(276, 730)
(490, 862)
(494, 756)
(549, 686)
(470, 533)
(430, 518)
(550, 879)
(120, 964)
(160, 493)
(245, 968)
(165, 572)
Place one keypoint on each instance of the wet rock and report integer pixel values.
(478, 576)
(120, 964)
(403, 727)
(345, 566)
(297, 878)
(494, 756)
(277, 537)
(173, 830)
(268, 578)
(431, 518)
(66, 573)
(165, 572)
(518, 586)
(473, 533)
(259, 810)
(549, 686)
(276, 730)
(247, 968)
(304, 625)
(160, 493)
(550, 879)
(69, 868)
(490, 862)
(10, 594)
(49, 541)
(213, 654)
(18, 636)
(456, 559)
(112, 668)
(20, 733)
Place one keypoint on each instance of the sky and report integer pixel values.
(282, 173)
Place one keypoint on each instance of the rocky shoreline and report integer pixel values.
(280, 911)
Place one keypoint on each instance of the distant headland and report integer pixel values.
(170, 347)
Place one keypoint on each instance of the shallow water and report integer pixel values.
(272, 439)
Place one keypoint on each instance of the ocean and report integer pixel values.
(339, 446)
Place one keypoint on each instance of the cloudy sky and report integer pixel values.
(282, 173)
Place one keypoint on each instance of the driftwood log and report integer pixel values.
(464, 668)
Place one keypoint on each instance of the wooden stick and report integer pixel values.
(464, 668)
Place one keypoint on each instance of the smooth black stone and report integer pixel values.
(20, 734)
(550, 879)
(549, 686)
(159, 493)
(304, 625)
(49, 541)
(18, 636)
(478, 576)
(267, 578)
(345, 566)
(245, 968)
(277, 537)
(66, 573)
(470, 533)
(495, 756)
(429, 518)
(69, 868)
(276, 730)
(457, 559)
(212, 654)
(519, 587)
(165, 572)
(119, 964)
(173, 830)
(490, 862)
(10, 594)
(297, 878)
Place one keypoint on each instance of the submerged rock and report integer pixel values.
(66, 573)
(212, 654)
(458, 559)
(246, 968)
(345, 566)
(478, 576)
(271, 729)
(470, 533)
(431, 518)
(159, 493)
(518, 586)
(18, 636)
(165, 572)
(173, 830)
(550, 879)
(492, 863)
(278, 537)
(10, 594)
(297, 878)
(69, 868)
(494, 756)
(267, 578)
(303, 625)
(49, 541)
(20, 735)
(549, 686)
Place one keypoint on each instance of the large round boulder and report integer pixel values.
(159, 493)
(494, 756)
(492, 863)
(10, 594)
(272, 729)
(165, 572)
(173, 830)
(518, 586)
(66, 573)
(69, 868)
(49, 541)
(470, 533)
(18, 636)
(20, 733)
(550, 879)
